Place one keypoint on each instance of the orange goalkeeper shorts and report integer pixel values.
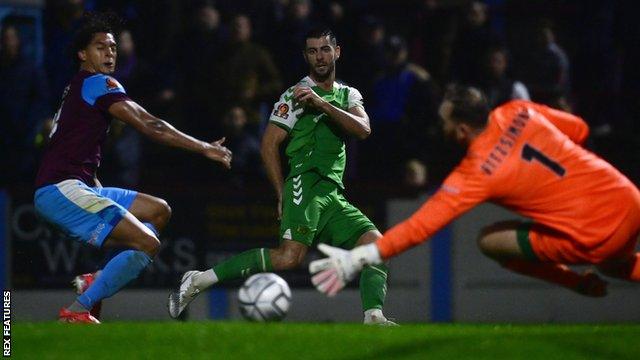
(547, 244)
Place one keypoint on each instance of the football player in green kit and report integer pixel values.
(315, 116)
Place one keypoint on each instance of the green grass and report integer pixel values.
(239, 340)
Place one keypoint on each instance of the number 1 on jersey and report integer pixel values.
(530, 153)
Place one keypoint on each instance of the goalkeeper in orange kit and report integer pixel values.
(526, 157)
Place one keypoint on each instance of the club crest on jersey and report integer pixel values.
(282, 111)
(302, 230)
(112, 83)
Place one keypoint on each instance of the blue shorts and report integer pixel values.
(84, 213)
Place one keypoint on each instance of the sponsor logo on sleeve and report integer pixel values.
(282, 111)
(112, 84)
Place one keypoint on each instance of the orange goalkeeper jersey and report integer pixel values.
(528, 160)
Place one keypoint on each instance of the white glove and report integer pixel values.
(331, 274)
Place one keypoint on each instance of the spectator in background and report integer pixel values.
(247, 74)
(432, 37)
(247, 164)
(154, 22)
(290, 40)
(416, 175)
(263, 14)
(197, 60)
(133, 72)
(497, 86)
(403, 105)
(24, 109)
(546, 69)
(369, 57)
(472, 40)
(122, 155)
(333, 14)
(62, 19)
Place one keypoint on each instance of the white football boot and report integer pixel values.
(375, 317)
(178, 300)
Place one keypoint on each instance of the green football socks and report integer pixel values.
(244, 264)
(373, 286)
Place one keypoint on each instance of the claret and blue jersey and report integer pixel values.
(66, 194)
(80, 129)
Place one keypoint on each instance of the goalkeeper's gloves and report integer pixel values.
(331, 274)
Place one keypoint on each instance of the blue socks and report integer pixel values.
(118, 272)
(152, 228)
(122, 266)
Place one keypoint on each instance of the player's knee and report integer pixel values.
(286, 258)
(500, 243)
(487, 243)
(162, 211)
(288, 262)
(282, 259)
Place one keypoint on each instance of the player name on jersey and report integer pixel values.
(506, 142)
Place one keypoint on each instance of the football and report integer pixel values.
(264, 297)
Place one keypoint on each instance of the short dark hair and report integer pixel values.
(93, 23)
(470, 105)
(320, 33)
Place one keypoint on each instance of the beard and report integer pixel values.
(324, 75)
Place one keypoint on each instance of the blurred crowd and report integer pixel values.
(215, 68)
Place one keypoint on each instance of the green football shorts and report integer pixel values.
(315, 210)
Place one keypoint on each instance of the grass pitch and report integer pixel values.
(240, 340)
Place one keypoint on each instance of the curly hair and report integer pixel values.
(93, 23)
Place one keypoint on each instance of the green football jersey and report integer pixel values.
(315, 142)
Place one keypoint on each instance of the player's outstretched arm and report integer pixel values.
(270, 152)
(355, 121)
(162, 132)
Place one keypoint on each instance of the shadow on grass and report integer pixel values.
(503, 347)
(408, 349)
(600, 350)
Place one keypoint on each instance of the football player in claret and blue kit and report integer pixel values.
(69, 194)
